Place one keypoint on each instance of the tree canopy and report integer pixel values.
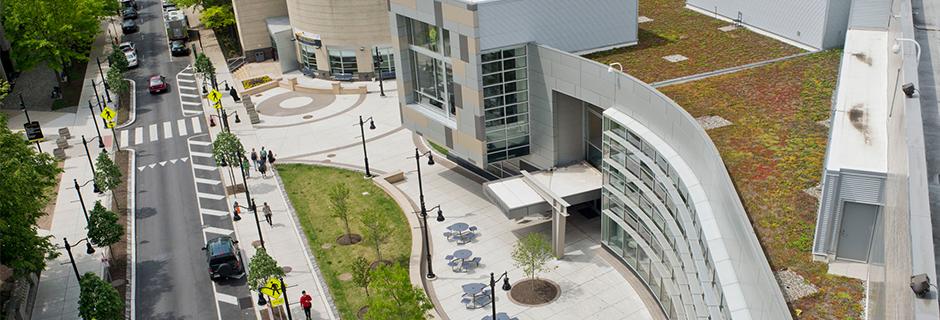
(261, 268)
(227, 148)
(339, 203)
(377, 229)
(54, 32)
(103, 226)
(117, 59)
(394, 297)
(4, 89)
(28, 177)
(98, 299)
(531, 253)
(107, 174)
(116, 81)
(218, 17)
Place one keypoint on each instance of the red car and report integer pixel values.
(158, 84)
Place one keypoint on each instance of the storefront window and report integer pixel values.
(342, 61)
(308, 56)
(385, 61)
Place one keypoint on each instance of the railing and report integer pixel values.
(235, 63)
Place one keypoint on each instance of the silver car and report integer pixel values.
(131, 59)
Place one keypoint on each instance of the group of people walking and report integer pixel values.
(262, 161)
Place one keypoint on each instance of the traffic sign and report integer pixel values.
(110, 124)
(272, 289)
(107, 113)
(217, 105)
(214, 95)
(33, 131)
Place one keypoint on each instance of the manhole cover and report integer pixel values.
(675, 58)
(308, 117)
(287, 269)
(331, 155)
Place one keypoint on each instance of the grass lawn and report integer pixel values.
(307, 187)
(775, 150)
(676, 30)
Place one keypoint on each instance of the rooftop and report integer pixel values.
(674, 30)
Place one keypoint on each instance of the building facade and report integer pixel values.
(253, 32)
(500, 85)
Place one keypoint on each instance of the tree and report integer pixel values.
(362, 273)
(117, 59)
(103, 227)
(395, 298)
(204, 65)
(218, 17)
(4, 89)
(116, 81)
(98, 299)
(339, 203)
(28, 177)
(377, 230)
(261, 268)
(107, 174)
(228, 150)
(201, 3)
(54, 32)
(531, 253)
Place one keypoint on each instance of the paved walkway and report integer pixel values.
(591, 287)
(58, 293)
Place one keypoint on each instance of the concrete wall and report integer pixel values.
(250, 17)
(359, 25)
(804, 22)
(564, 24)
(744, 274)
(568, 124)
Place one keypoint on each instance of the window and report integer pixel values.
(505, 103)
(423, 35)
(384, 62)
(342, 61)
(432, 83)
(308, 56)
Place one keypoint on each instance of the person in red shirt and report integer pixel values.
(306, 303)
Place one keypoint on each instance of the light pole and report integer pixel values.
(90, 163)
(378, 71)
(251, 202)
(92, 110)
(97, 98)
(362, 131)
(78, 188)
(424, 210)
(506, 287)
(283, 289)
(68, 248)
(105, 82)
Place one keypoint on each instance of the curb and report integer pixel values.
(133, 108)
(130, 295)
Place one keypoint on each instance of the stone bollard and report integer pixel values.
(337, 87)
(62, 143)
(292, 83)
(64, 132)
(59, 154)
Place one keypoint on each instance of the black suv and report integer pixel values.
(129, 26)
(224, 258)
(178, 48)
(130, 13)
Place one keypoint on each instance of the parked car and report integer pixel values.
(178, 48)
(129, 4)
(169, 7)
(224, 258)
(130, 13)
(129, 26)
(127, 46)
(131, 59)
(158, 84)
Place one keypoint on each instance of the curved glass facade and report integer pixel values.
(649, 222)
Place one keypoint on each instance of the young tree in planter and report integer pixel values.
(261, 268)
(116, 81)
(107, 174)
(103, 227)
(362, 273)
(227, 150)
(117, 59)
(98, 299)
(204, 65)
(4, 90)
(395, 298)
(531, 253)
(377, 230)
(339, 203)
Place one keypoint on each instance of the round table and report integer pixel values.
(463, 254)
(459, 227)
(473, 288)
(499, 316)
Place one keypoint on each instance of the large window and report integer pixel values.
(384, 62)
(342, 61)
(433, 74)
(505, 103)
(308, 55)
(423, 35)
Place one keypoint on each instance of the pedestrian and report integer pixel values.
(254, 158)
(236, 211)
(306, 301)
(263, 167)
(267, 214)
(271, 158)
(264, 156)
(246, 168)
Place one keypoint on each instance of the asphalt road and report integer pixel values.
(172, 220)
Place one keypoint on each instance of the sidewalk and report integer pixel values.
(284, 240)
(58, 291)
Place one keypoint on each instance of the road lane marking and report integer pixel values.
(173, 161)
(141, 168)
(138, 135)
(187, 87)
(218, 230)
(203, 167)
(210, 196)
(152, 165)
(230, 299)
(212, 212)
(153, 133)
(208, 181)
(187, 95)
(200, 154)
(186, 80)
(197, 125)
(202, 221)
(181, 126)
(167, 130)
(185, 74)
(183, 159)
(190, 103)
(200, 143)
(122, 138)
(162, 163)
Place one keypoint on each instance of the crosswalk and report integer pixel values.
(157, 131)
(190, 100)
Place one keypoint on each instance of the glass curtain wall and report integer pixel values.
(308, 55)
(505, 103)
(342, 61)
(384, 62)
(433, 74)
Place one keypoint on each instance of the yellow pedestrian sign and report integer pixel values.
(272, 289)
(108, 113)
(110, 124)
(214, 95)
(217, 105)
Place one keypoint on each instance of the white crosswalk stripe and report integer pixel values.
(190, 103)
(185, 74)
(208, 181)
(199, 143)
(138, 135)
(122, 137)
(197, 125)
(200, 154)
(187, 87)
(186, 80)
(153, 133)
(217, 230)
(210, 196)
(181, 126)
(203, 167)
(212, 212)
(187, 95)
(230, 299)
(167, 130)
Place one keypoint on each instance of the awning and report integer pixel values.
(518, 198)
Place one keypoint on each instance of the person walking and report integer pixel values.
(246, 167)
(254, 158)
(236, 211)
(267, 214)
(263, 157)
(306, 301)
(263, 167)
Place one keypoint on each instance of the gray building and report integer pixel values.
(810, 24)
(500, 85)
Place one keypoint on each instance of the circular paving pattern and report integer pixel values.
(296, 102)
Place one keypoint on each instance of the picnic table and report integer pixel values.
(458, 258)
(472, 293)
(460, 231)
(499, 316)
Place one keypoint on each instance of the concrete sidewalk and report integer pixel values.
(58, 292)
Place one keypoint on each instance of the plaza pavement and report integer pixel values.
(591, 287)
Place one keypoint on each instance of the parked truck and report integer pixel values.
(177, 27)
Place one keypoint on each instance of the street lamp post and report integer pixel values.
(283, 289)
(78, 188)
(378, 72)
(97, 98)
(90, 163)
(362, 131)
(506, 287)
(105, 82)
(92, 110)
(251, 202)
(424, 210)
(68, 248)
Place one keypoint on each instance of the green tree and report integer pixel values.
(204, 65)
(110, 7)
(201, 3)
(116, 81)
(228, 150)
(98, 299)
(218, 17)
(103, 227)
(117, 59)
(395, 298)
(261, 268)
(28, 178)
(107, 174)
(339, 203)
(532, 253)
(377, 230)
(361, 273)
(4, 90)
(54, 32)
